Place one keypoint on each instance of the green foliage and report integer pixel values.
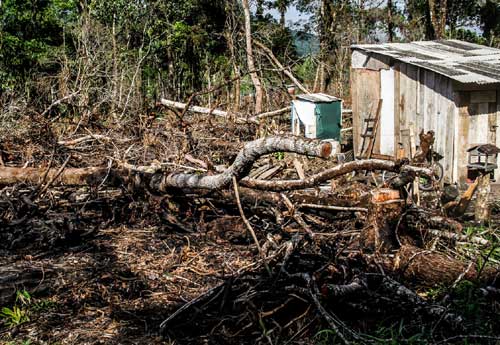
(23, 308)
(17, 315)
(31, 33)
(306, 70)
(23, 297)
(43, 306)
(279, 155)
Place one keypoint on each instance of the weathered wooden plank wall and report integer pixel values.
(463, 102)
(365, 91)
(407, 103)
(397, 106)
(451, 112)
(386, 128)
(427, 100)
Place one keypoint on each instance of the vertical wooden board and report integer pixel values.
(403, 87)
(420, 99)
(452, 123)
(386, 127)
(473, 128)
(435, 103)
(429, 100)
(456, 132)
(403, 93)
(462, 141)
(492, 121)
(397, 108)
(411, 98)
(449, 131)
(353, 75)
(442, 122)
(366, 94)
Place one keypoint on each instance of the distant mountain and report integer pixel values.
(305, 43)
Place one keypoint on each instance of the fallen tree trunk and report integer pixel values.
(70, 177)
(159, 181)
(243, 163)
(198, 109)
(432, 268)
(225, 114)
(270, 113)
(24, 275)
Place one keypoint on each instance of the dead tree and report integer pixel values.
(259, 95)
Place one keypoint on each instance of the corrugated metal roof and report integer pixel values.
(461, 61)
(318, 98)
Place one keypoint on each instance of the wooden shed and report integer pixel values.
(448, 86)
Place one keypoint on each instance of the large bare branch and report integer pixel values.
(201, 110)
(222, 113)
(244, 161)
(328, 174)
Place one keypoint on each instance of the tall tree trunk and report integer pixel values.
(390, 23)
(115, 69)
(323, 49)
(250, 60)
(438, 12)
(259, 12)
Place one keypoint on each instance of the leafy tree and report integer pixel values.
(31, 33)
(490, 19)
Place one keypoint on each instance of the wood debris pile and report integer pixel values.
(201, 230)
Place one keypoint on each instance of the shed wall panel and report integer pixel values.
(365, 89)
(408, 92)
(456, 142)
(387, 113)
(478, 133)
(451, 114)
(421, 98)
(397, 106)
(463, 101)
(429, 101)
(492, 121)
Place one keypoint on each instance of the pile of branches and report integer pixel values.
(334, 255)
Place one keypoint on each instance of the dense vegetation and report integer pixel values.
(114, 58)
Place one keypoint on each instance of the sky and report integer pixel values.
(292, 15)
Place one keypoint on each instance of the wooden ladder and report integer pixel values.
(370, 133)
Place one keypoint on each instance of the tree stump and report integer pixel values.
(482, 209)
(385, 209)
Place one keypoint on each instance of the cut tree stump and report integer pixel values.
(386, 207)
(482, 209)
